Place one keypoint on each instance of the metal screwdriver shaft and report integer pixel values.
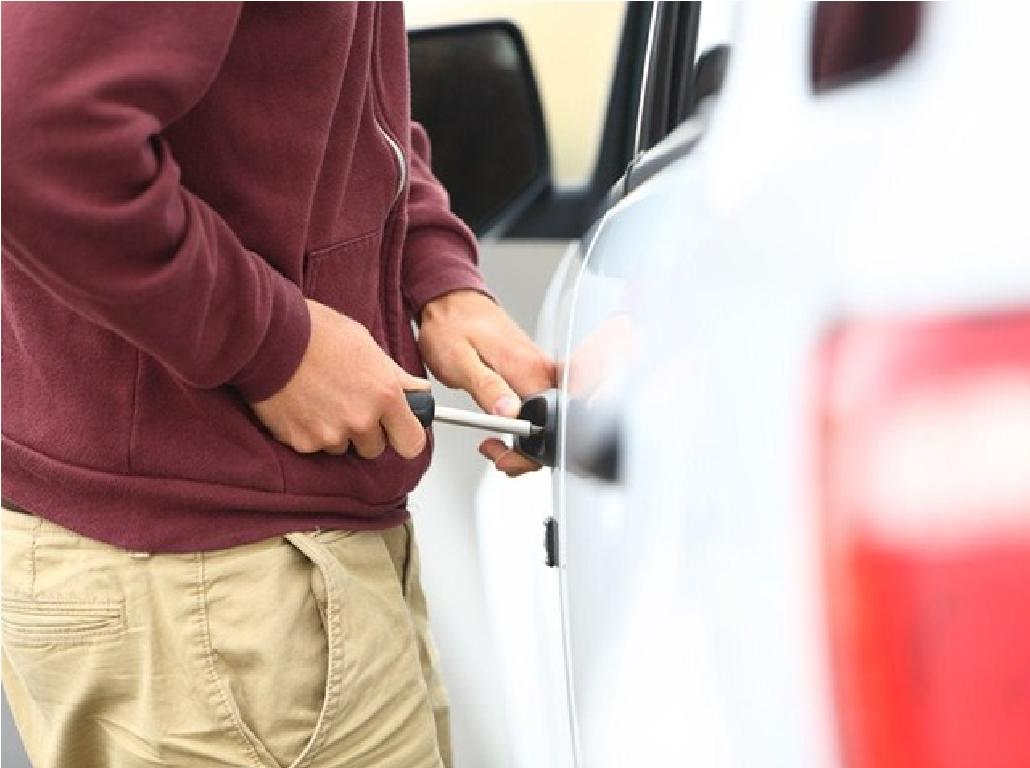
(424, 407)
(517, 427)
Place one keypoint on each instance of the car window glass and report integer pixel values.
(688, 53)
(573, 47)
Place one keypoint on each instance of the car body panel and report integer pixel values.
(841, 209)
(692, 598)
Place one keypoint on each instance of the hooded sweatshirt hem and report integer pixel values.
(159, 514)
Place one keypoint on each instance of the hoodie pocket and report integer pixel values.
(347, 277)
(217, 437)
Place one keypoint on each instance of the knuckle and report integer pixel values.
(328, 435)
(537, 367)
(486, 381)
(338, 449)
(390, 397)
(281, 435)
(365, 424)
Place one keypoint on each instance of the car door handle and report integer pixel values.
(541, 410)
(593, 437)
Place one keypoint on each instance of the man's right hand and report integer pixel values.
(346, 391)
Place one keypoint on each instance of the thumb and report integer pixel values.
(488, 388)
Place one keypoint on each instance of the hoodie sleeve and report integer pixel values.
(94, 210)
(440, 253)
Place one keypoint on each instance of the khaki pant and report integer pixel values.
(311, 649)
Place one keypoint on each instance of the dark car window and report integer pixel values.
(687, 58)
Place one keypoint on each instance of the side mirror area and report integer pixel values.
(710, 72)
(473, 90)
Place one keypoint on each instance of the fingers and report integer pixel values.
(392, 422)
(337, 449)
(370, 443)
(385, 421)
(404, 432)
(346, 393)
(526, 369)
(409, 382)
(529, 370)
(507, 459)
(487, 387)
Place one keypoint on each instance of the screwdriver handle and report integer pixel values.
(422, 405)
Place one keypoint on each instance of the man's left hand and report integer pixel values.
(470, 343)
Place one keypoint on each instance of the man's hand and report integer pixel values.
(346, 391)
(470, 343)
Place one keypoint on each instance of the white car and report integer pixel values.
(790, 512)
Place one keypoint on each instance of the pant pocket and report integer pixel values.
(388, 719)
(27, 621)
(272, 628)
(58, 587)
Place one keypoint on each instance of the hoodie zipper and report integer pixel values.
(402, 178)
(398, 155)
(389, 322)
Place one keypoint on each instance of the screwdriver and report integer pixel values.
(426, 411)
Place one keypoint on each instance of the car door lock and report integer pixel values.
(534, 430)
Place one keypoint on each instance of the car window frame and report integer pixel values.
(666, 94)
(567, 213)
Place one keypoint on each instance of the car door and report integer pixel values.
(809, 254)
(599, 552)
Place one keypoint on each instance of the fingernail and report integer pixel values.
(507, 405)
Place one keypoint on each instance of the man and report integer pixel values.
(219, 223)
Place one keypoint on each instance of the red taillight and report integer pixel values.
(925, 489)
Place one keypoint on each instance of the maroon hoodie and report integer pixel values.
(176, 179)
